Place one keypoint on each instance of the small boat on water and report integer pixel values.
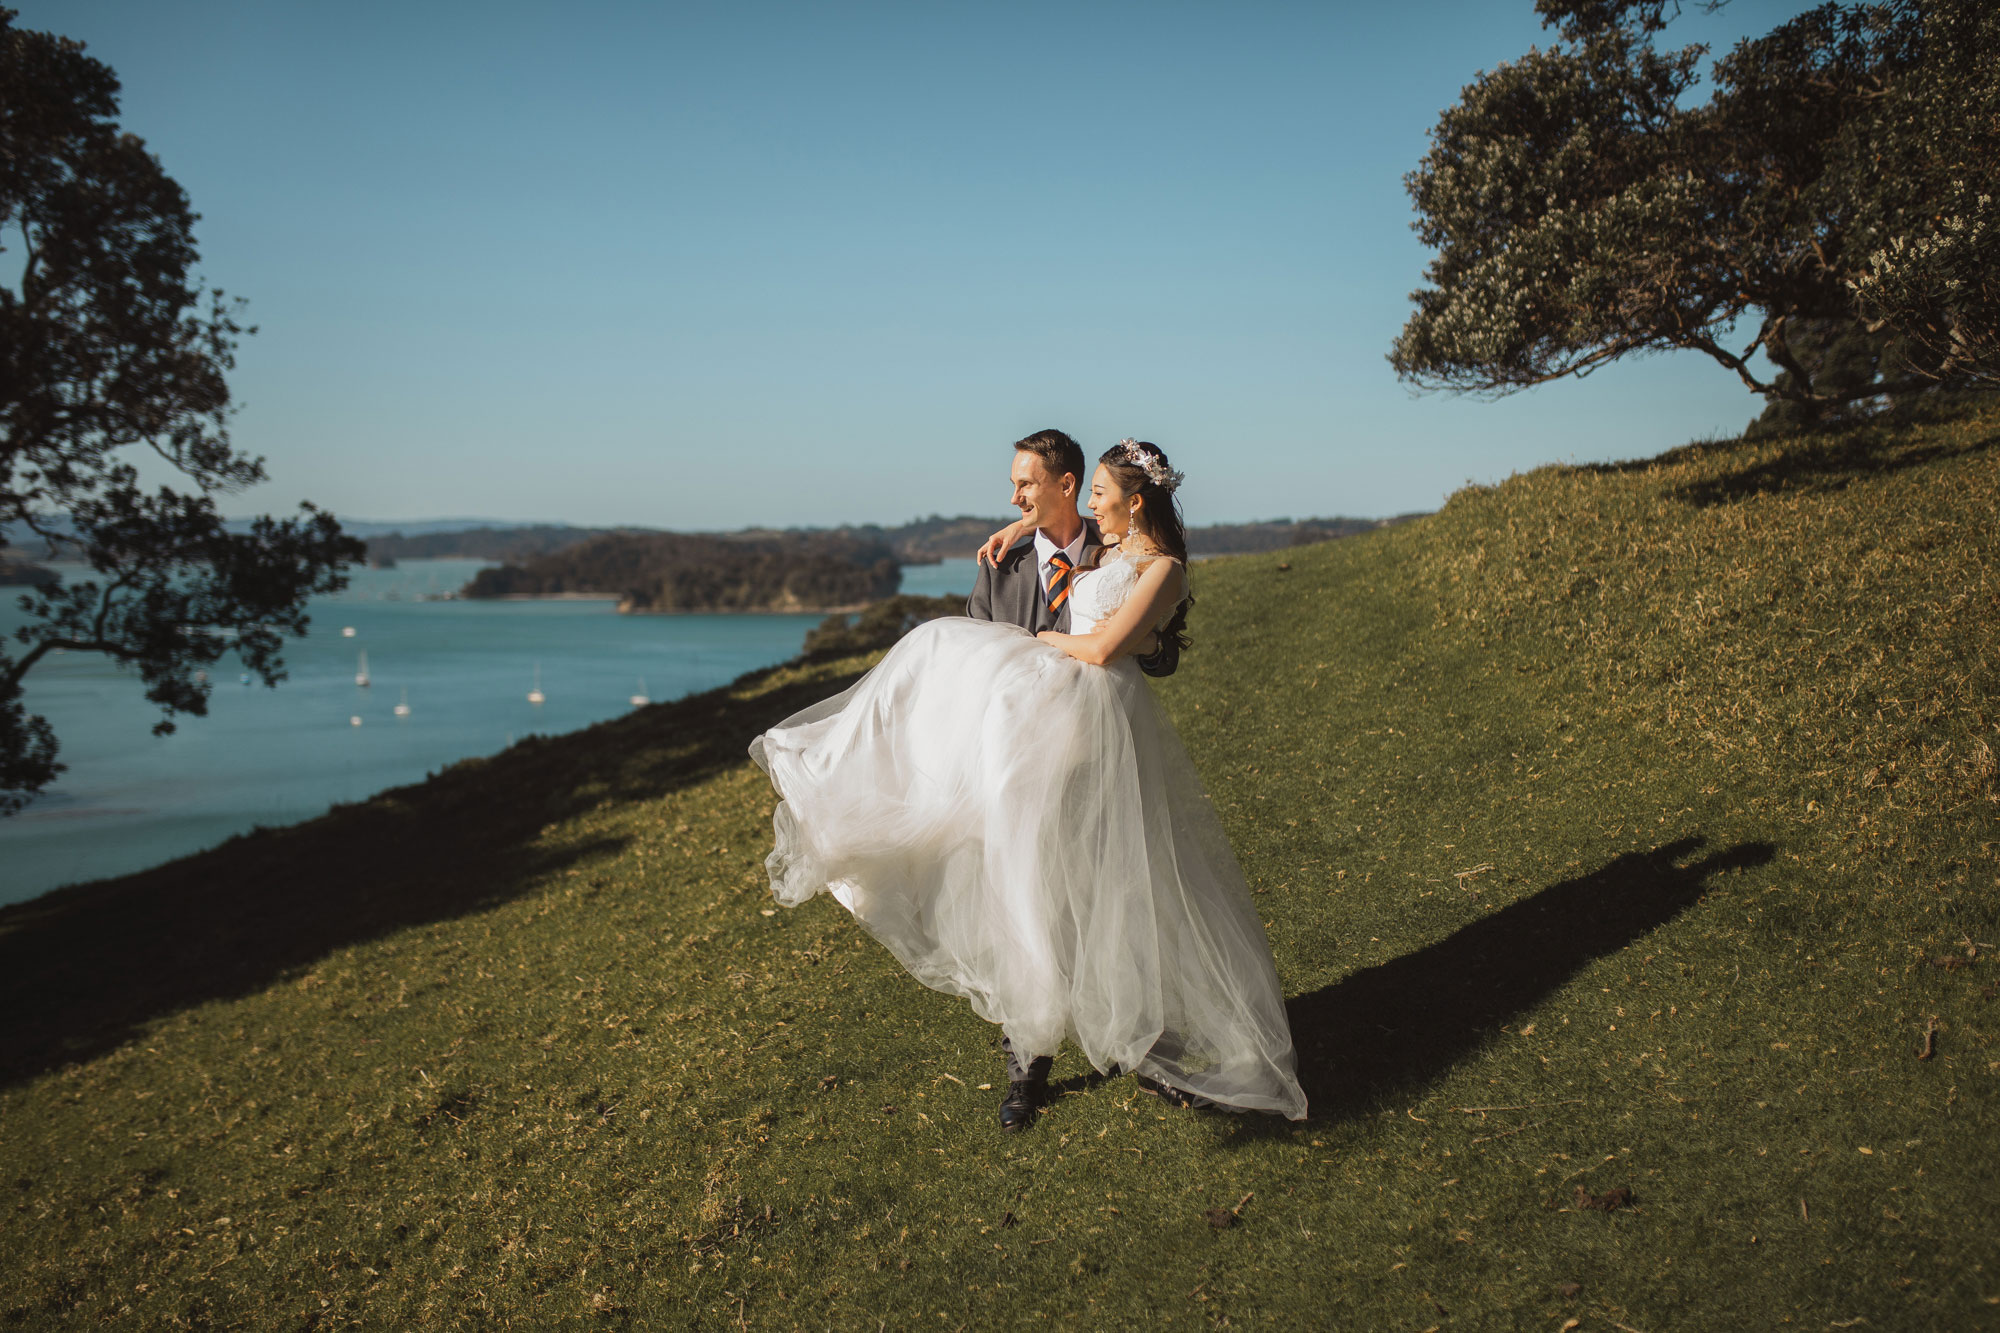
(347, 631)
(361, 672)
(402, 709)
(640, 699)
(535, 696)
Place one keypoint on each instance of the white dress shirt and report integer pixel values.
(1045, 551)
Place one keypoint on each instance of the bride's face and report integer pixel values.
(1111, 506)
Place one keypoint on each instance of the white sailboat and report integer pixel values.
(361, 672)
(402, 709)
(640, 699)
(535, 696)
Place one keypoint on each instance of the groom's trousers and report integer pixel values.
(1036, 1068)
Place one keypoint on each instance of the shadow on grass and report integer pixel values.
(84, 968)
(1395, 1027)
(1828, 460)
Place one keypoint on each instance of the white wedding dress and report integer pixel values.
(1026, 830)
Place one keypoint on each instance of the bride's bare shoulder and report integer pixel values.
(1147, 558)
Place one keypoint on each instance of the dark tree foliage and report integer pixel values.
(1832, 203)
(1845, 361)
(107, 346)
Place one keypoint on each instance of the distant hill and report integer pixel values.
(369, 528)
(483, 543)
(666, 571)
(919, 542)
(928, 540)
(22, 573)
(922, 541)
(20, 534)
(1274, 534)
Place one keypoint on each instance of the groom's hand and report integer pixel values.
(996, 545)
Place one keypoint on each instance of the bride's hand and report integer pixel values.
(996, 545)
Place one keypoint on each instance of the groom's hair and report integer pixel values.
(1058, 452)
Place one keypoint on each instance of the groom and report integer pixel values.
(1029, 586)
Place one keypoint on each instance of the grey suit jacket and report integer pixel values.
(1011, 592)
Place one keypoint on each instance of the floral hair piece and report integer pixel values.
(1155, 467)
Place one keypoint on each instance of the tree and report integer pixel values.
(109, 346)
(1838, 355)
(1834, 196)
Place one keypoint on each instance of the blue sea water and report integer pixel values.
(278, 755)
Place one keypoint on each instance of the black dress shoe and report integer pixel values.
(1023, 1099)
(1174, 1096)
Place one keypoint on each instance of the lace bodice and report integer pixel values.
(1101, 591)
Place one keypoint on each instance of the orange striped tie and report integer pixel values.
(1059, 568)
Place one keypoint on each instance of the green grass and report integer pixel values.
(1614, 827)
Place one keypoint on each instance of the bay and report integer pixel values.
(271, 756)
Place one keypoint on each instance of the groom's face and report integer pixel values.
(1040, 497)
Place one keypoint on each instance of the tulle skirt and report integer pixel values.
(1026, 830)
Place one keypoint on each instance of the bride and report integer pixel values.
(1013, 816)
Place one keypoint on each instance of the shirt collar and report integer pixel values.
(1045, 549)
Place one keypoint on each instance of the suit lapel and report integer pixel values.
(1029, 606)
(1091, 543)
(1025, 575)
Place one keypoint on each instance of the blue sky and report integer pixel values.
(712, 265)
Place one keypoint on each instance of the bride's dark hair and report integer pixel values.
(1162, 523)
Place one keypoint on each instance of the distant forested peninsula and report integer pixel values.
(485, 543)
(756, 569)
(923, 541)
(666, 571)
(20, 572)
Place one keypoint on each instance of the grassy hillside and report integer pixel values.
(1615, 827)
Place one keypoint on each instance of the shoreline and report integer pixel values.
(852, 608)
(849, 610)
